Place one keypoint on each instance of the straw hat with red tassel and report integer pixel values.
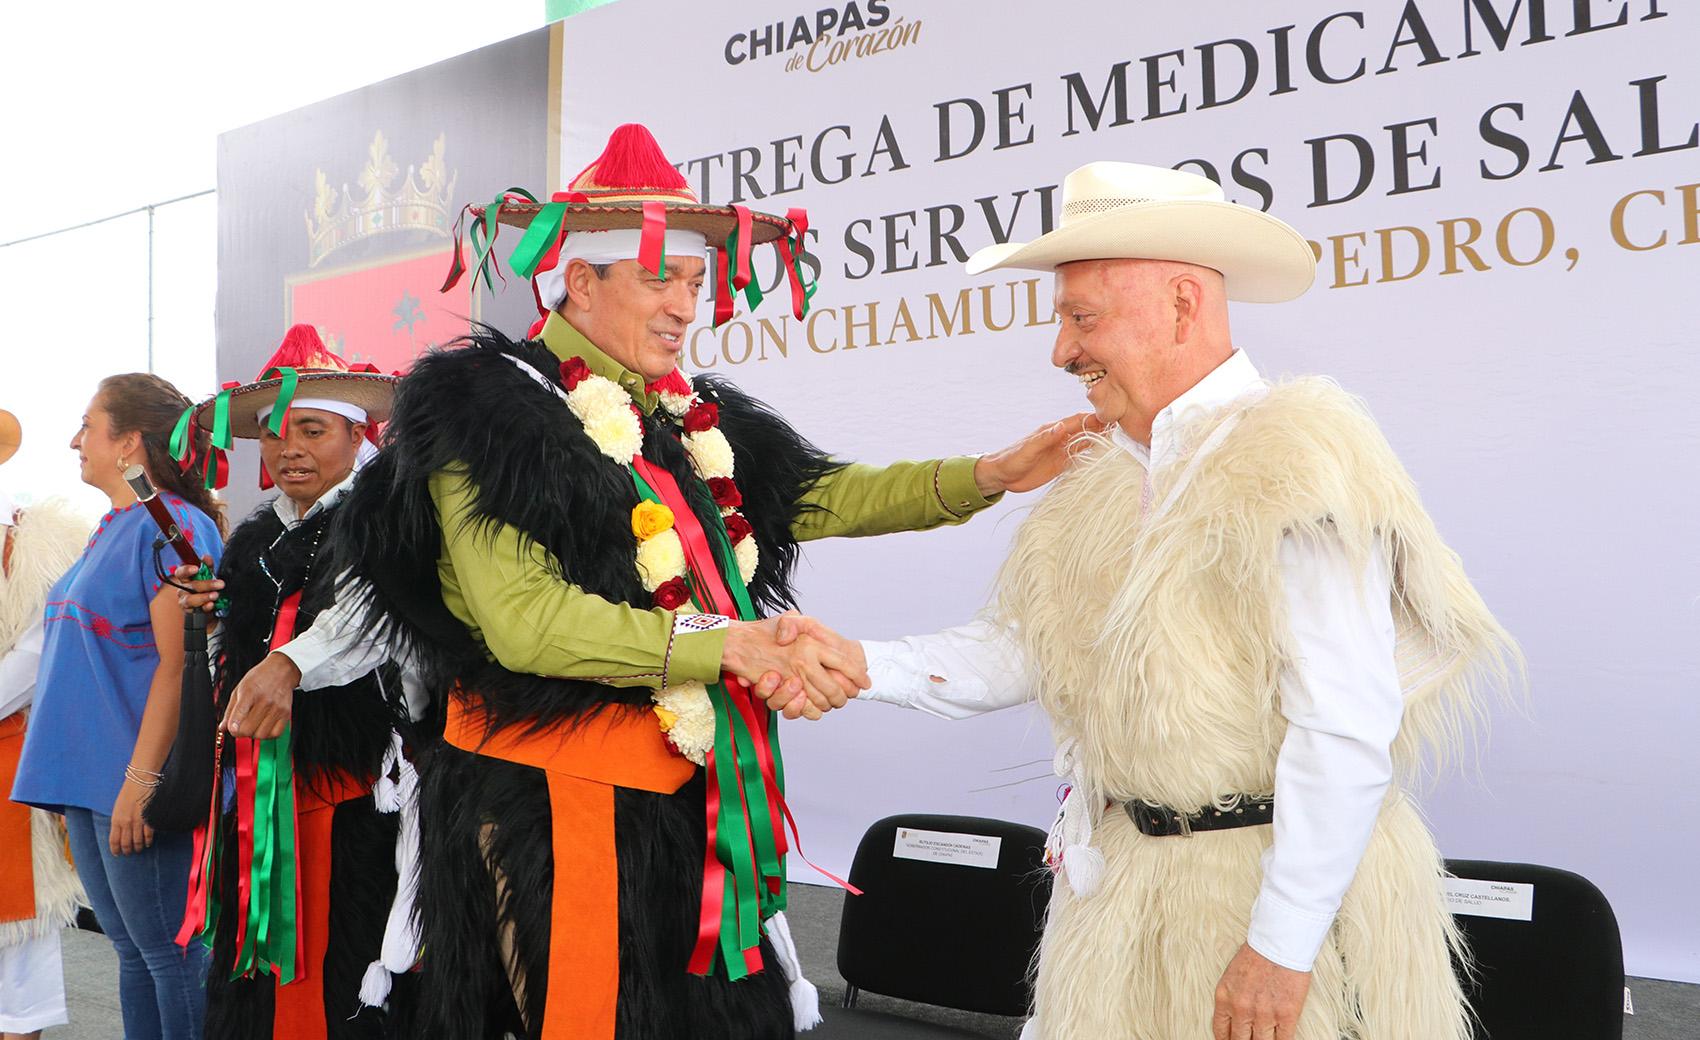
(630, 203)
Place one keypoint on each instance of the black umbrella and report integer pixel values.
(180, 801)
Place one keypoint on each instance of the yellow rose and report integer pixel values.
(650, 519)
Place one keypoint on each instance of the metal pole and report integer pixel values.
(102, 220)
(150, 288)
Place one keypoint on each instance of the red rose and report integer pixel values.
(737, 528)
(573, 372)
(672, 594)
(725, 492)
(702, 416)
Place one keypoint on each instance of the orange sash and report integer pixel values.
(299, 1012)
(622, 747)
(17, 869)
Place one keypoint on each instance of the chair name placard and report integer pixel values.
(964, 850)
(1506, 900)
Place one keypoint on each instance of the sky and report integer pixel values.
(122, 108)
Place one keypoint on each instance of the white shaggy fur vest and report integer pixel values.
(1158, 638)
(48, 538)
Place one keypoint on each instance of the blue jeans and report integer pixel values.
(138, 900)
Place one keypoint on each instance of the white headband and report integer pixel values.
(609, 247)
(351, 412)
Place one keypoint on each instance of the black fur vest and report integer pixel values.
(342, 727)
(536, 470)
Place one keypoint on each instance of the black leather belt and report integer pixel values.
(1159, 821)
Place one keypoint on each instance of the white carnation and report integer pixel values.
(596, 395)
(693, 727)
(616, 434)
(748, 558)
(660, 559)
(711, 453)
(677, 404)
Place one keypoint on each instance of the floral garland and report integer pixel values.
(614, 425)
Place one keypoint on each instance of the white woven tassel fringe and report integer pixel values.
(401, 932)
(1069, 844)
(805, 999)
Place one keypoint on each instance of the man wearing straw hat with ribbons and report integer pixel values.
(291, 887)
(577, 541)
(1247, 634)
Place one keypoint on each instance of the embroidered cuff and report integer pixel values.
(955, 490)
(694, 648)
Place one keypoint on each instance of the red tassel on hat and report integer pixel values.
(301, 345)
(633, 159)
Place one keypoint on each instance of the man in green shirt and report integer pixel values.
(579, 545)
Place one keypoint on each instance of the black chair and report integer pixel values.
(940, 932)
(1559, 974)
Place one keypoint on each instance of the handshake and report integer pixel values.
(796, 664)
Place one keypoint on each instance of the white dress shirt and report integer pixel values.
(1341, 699)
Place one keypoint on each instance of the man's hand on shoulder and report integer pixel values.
(1036, 459)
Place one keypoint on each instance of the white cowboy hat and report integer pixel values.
(1118, 210)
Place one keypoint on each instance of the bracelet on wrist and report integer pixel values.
(142, 777)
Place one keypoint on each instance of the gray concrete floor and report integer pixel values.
(1663, 1010)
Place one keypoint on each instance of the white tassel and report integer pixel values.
(375, 986)
(805, 1005)
(1084, 865)
(805, 998)
(401, 933)
(1069, 845)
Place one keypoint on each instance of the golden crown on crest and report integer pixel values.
(423, 203)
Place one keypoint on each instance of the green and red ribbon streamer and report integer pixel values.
(725, 297)
(483, 233)
(652, 244)
(542, 237)
(182, 444)
(744, 857)
(741, 244)
(791, 256)
(278, 421)
(268, 892)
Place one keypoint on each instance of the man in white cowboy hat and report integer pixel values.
(1246, 632)
(324, 901)
(564, 531)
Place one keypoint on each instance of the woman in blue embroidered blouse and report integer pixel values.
(106, 706)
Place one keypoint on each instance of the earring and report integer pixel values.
(123, 463)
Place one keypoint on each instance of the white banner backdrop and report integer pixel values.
(1505, 201)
